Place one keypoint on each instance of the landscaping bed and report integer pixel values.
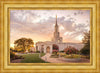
(54, 56)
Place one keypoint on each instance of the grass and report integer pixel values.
(32, 58)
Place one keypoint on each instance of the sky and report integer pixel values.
(39, 24)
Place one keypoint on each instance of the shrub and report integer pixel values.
(12, 55)
(55, 52)
(55, 49)
(37, 51)
(71, 50)
(85, 50)
(62, 54)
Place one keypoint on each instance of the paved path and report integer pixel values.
(63, 60)
(52, 60)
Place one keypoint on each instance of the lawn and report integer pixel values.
(32, 58)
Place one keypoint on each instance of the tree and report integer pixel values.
(86, 40)
(23, 43)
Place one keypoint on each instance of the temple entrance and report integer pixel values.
(42, 48)
(48, 49)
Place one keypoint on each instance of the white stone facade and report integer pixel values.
(42, 46)
(47, 47)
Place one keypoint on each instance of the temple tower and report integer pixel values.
(56, 37)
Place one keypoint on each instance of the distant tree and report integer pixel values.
(23, 43)
(86, 40)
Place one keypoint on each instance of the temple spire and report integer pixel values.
(57, 37)
(56, 19)
(56, 26)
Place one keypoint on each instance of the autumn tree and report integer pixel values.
(23, 43)
(86, 40)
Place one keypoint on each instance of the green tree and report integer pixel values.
(23, 43)
(86, 40)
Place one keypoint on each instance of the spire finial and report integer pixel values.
(56, 19)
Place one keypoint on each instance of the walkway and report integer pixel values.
(63, 60)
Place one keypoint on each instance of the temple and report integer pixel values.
(47, 46)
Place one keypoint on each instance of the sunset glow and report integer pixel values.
(39, 24)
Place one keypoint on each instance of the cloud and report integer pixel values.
(32, 23)
(23, 16)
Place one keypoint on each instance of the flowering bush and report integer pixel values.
(55, 52)
(13, 56)
(55, 49)
(71, 50)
